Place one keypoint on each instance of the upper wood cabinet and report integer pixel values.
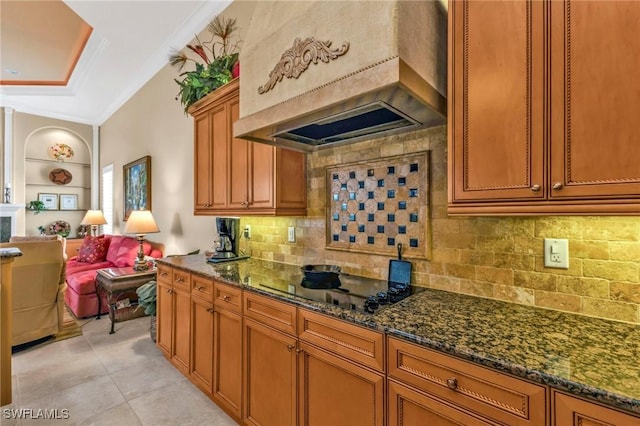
(543, 108)
(235, 176)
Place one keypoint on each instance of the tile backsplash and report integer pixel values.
(493, 257)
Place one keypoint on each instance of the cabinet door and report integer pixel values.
(201, 367)
(261, 185)
(164, 320)
(595, 131)
(570, 411)
(239, 166)
(291, 180)
(202, 194)
(270, 376)
(227, 361)
(496, 104)
(333, 391)
(181, 330)
(408, 407)
(220, 128)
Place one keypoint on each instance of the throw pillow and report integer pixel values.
(93, 250)
(123, 251)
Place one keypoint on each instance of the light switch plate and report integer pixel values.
(556, 253)
(292, 234)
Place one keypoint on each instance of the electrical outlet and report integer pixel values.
(292, 234)
(556, 253)
(247, 232)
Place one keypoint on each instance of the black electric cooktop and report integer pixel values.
(358, 293)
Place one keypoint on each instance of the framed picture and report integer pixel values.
(137, 185)
(50, 201)
(68, 202)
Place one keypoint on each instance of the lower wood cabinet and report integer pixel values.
(270, 362)
(409, 407)
(202, 334)
(334, 391)
(572, 411)
(173, 322)
(227, 361)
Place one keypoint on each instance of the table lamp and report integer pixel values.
(141, 223)
(93, 218)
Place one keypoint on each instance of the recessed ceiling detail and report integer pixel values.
(40, 45)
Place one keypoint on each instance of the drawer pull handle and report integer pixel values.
(299, 350)
(290, 347)
(200, 288)
(226, 298)
(557, 185)
(535, 188)
(163, 274)
(180, 280)
(452, 383)
(169, 291)
(210, 310)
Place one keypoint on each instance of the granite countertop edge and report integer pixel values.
(384, 324)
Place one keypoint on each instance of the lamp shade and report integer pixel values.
(141, 222)
(93, 217)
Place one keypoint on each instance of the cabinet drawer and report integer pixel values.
(359, 344)
(202, 287)
(273, 313)
(164, 274)
(571, 411)
(181, 279)
(227, 297)
(478, 389)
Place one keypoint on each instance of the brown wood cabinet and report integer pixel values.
(270, 369)
(235, 176)
(173, 311)
(227, 349)
(572, 411)
(540, 121)
(202, 334)
(469, 388)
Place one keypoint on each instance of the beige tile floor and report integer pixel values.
(102, 379)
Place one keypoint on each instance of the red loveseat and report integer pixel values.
(104, 251)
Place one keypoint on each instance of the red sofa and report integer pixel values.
(104, 251)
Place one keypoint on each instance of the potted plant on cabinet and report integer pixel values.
(216, 62)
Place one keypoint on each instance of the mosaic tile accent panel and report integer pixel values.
(373, 206)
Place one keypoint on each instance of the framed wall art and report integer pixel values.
(68, 202)
(50, 201)
(137, 185)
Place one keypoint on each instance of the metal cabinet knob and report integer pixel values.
(452, 383)
(535, 188)
(180, 280)
(290, 347)
(169, 291)
(299, 350)
(210, 310)
(200, 288)
(557, 185)
(245, 203)
(226, 298)
(163, 274)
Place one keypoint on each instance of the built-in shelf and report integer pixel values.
(57, 186)
(61, 163)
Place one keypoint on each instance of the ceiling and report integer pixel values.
(80, 60)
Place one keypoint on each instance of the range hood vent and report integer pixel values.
(391, 80)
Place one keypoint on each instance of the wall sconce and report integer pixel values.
(93, 218)
(140, 222)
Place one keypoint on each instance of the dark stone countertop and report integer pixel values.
(589, 357)
(9, 252)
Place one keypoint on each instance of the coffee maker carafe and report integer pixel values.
(228, 239)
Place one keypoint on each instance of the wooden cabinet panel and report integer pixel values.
(201, 366)
(234, 176)
(227, 361)
(164, 315)
(497, 89)
(273, 313)
(164, 274)
(181, 279)
(543, 108)
(366, 347)
(408, 407)
(336, 392)
(202, 287)
(486, 392)
(595, 101)
(180, 355)
(227, 297)
(270, 376)
(571, 411)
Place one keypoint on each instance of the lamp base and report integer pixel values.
(140, 265)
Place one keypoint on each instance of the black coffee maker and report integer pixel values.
(228, 239)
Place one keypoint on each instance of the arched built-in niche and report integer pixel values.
(57, 167)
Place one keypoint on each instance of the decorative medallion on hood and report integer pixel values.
(295, 60)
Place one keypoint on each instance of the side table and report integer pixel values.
(116, 283)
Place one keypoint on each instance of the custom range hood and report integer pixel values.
(321, 73)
